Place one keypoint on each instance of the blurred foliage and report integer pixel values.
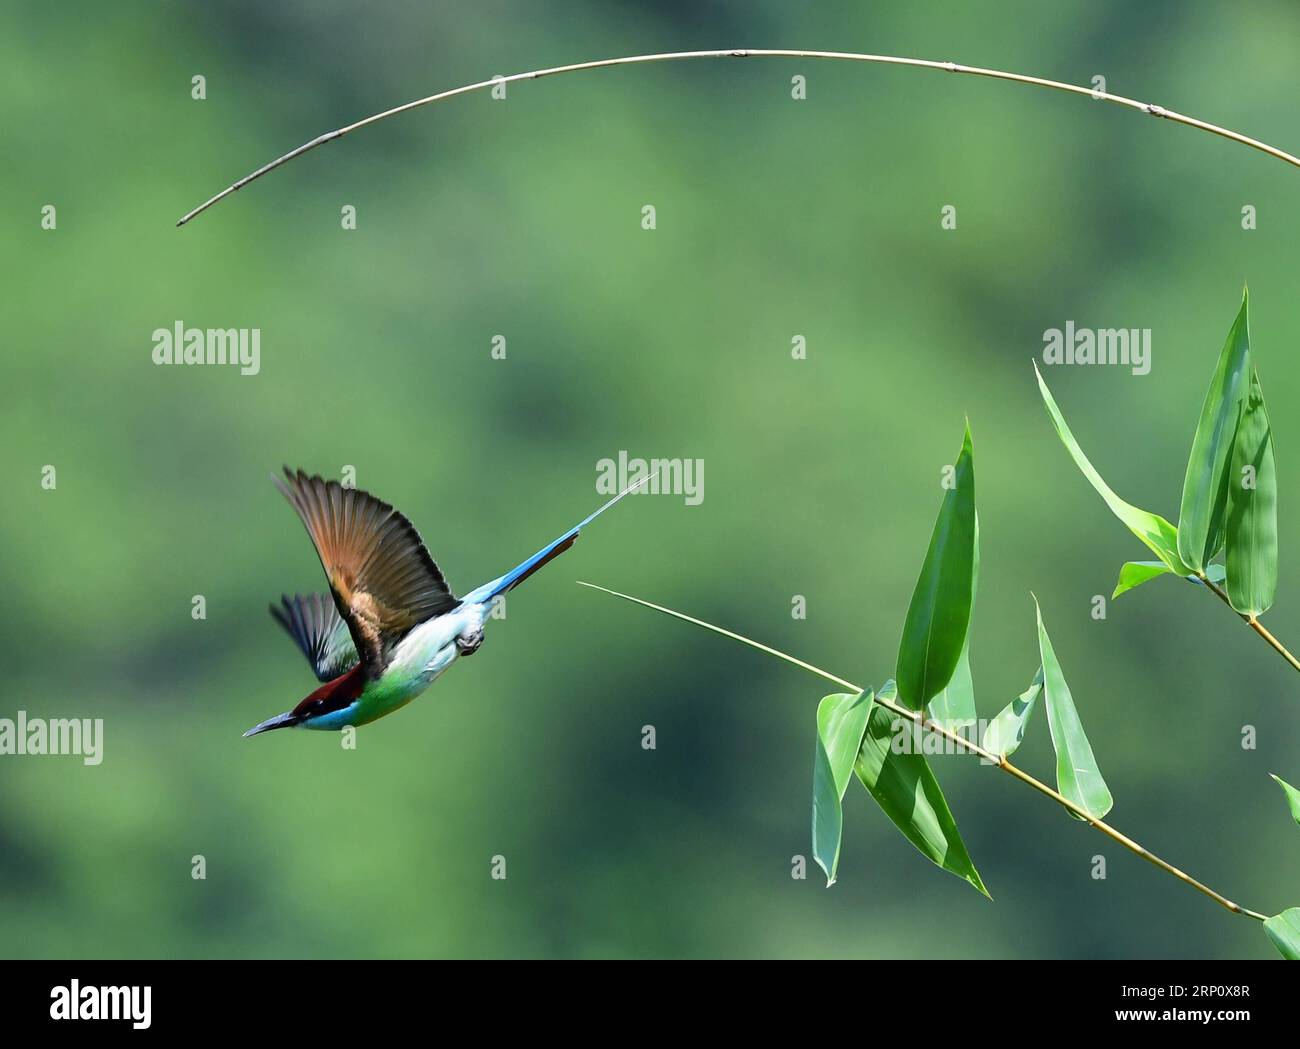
(475, 218)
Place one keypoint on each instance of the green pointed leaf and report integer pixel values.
(1160, 537)
(1292, 797)
(1284, 930)
(1005, 731)
(906, 789)
(841, 722)
(1077, 775)
(1251, 532)
(939, 615)
(954, 706)
(1135, 573)
(1205, 488)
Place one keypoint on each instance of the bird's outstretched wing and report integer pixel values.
(383, 580)
(315, 624)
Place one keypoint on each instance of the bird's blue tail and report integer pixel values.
(547, 553)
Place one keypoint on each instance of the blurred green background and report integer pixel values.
(775, 218)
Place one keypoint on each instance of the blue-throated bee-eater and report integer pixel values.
(390, 624)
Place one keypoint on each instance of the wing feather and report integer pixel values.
(381, 575)
(315, 625)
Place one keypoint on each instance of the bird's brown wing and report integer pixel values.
(383, 580)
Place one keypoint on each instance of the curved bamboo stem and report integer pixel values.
(1151, 109)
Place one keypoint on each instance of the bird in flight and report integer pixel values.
(390, 624)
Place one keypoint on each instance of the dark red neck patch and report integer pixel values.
(333, 695)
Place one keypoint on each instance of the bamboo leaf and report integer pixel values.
(1077, 775)
(1292, 797)
(1251, 533)
(1284, 930)
(1205, 488)
(841, 722)
(1160, 537)
(1005, 732)
(934, 632)
(1134, 573)
(906, 789)
(954, 706)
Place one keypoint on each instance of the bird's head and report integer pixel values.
(329, 698)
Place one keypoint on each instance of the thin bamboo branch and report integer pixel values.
(950, 67)
(1000, 760)
(1254, 624)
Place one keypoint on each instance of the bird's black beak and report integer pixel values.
(279, 721)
